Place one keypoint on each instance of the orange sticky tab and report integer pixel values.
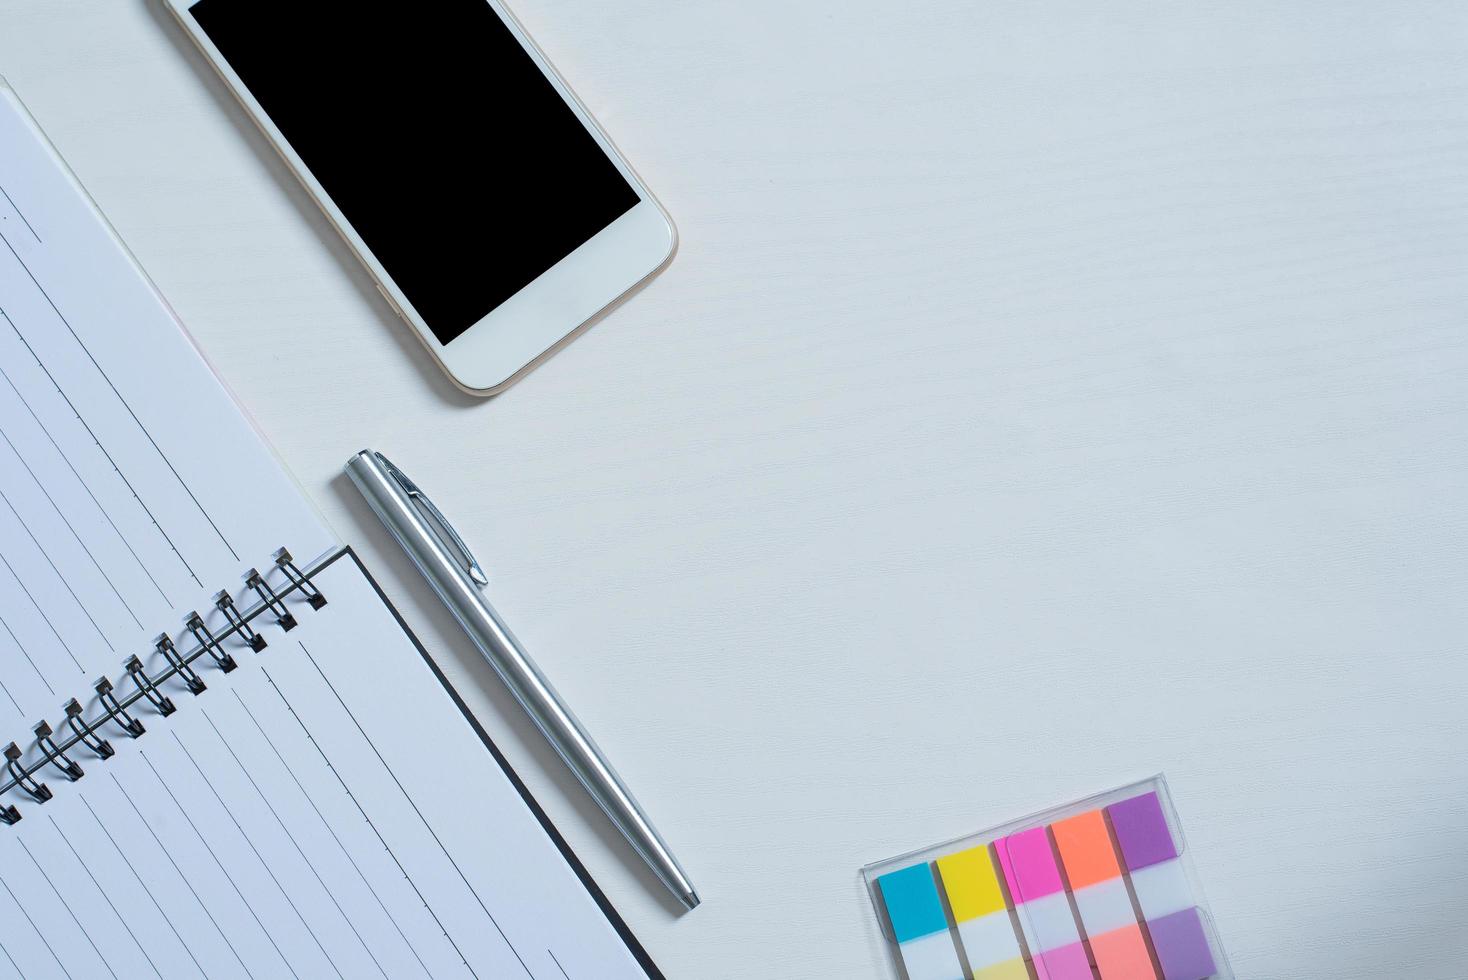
(1085, 849)
(1122, 955)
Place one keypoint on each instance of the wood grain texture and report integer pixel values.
(1045, 394)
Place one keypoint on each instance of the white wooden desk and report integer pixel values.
(1046, 394)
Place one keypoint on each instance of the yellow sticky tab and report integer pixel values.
(1008, 970)
(971, 883)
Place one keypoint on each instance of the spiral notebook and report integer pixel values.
(231, 758)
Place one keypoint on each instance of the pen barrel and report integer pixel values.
(564, 732)
(526, 682)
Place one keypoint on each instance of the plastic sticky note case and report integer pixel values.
(1100, 889)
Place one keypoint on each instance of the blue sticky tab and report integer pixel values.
(912, 902)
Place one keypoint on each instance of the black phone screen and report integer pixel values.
(448, 150)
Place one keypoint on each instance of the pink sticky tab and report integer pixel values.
(1029, 865)
(1066, 963)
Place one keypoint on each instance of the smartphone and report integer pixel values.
(495, 215)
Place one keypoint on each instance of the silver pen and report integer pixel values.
(443, 558)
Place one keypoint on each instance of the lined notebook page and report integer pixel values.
(324, 811)
(131, 486)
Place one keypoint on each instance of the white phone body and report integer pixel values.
(532, 323)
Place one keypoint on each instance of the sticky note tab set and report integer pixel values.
(1098, 890)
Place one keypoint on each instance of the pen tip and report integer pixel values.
(691, 899)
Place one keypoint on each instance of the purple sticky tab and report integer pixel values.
(1182, 948)
(1142, 832)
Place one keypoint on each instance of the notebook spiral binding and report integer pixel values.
(78, 732)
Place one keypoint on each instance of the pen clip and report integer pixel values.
(444, 531)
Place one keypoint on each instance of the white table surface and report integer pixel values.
(1046, 394)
